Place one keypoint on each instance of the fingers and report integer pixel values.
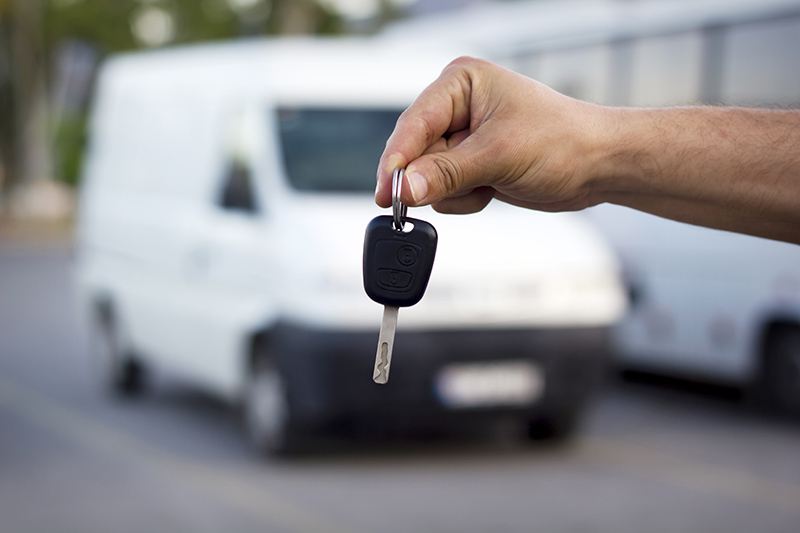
(441, 108)
(451, 173)
(444, 144)
(418, 190)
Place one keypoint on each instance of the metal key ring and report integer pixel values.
(399, 209)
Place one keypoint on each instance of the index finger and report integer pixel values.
(441, 108)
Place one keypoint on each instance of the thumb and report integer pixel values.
(445, 170)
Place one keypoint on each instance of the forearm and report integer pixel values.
(728, 168)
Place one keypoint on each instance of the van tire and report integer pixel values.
(780, 383)
(267, 409)
(117, 370)
(554, 427)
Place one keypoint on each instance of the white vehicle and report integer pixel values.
(226, 193)
(706, 304)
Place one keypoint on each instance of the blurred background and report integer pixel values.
(51, 50)
(693, 428)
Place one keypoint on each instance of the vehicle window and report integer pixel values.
(334, 150)
(237, 191)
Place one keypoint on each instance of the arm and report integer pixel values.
(481, 132)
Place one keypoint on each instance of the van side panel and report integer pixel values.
(154, 161)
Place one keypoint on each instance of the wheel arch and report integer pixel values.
(770, 328)
(256, 345)
(766, 323)
(778, 377)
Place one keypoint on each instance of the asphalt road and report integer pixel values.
(653, 459)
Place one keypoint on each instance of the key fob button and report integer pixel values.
(397, 254)
(393, 279)
(407, 255)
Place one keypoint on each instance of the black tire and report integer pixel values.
(553, 427)
(267, 409)
(780, 384)
(118, 371)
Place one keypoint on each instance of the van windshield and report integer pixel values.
(334, 150)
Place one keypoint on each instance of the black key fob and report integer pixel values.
(398, 263)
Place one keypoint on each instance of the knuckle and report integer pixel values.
(449, 174)
(419, 123)
(466, 67)
(463, 62)
(431, 134)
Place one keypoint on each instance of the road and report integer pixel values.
(654, 459)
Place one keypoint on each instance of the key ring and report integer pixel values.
(399, 209)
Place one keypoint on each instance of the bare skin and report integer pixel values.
(480, 132)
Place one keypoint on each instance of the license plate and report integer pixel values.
(491, 384)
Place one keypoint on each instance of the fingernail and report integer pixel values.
(377, 187)
(418, 187)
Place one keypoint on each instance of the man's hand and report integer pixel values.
(481, 131)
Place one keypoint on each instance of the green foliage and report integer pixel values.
(103, 23)
(107, 26)
(70, 141)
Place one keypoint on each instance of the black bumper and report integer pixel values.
(329, 373)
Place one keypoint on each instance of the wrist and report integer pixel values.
(621, 160)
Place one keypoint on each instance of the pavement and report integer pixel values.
(649, 457)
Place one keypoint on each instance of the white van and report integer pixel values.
(226, 192)
(707, 305)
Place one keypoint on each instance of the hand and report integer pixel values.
(481, 132)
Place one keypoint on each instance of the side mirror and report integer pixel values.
(237, 190)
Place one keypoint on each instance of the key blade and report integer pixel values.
(382, 364)
(383, 357)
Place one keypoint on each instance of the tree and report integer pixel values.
(23, 103)
(40, 39)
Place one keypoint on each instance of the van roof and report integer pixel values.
(356, 71)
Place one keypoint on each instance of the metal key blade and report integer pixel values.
(383, 357)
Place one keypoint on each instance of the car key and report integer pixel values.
(397, 266)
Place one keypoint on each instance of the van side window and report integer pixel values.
(237, 191)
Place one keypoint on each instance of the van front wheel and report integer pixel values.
(117, 370)
(267, 409)
(556, 426)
